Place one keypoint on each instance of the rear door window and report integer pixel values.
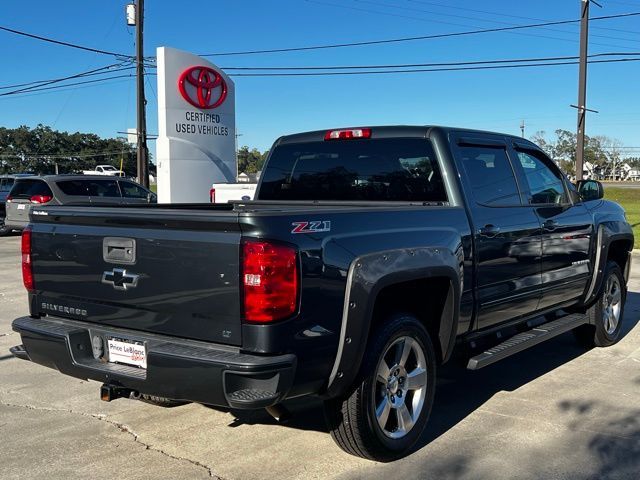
(491, 176)
(25, 189)
(73, 187)
(90, 188)
(386, 169)
(103, 188)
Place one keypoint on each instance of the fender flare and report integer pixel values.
(607, 233)
(367, 276)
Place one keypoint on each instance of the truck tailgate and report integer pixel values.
(161, 270)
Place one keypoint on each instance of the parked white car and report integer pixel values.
(105, 170)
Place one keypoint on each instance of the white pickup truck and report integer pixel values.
(226, 192)
(105, 170)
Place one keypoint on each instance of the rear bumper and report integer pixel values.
(176, 368)
(15, 224)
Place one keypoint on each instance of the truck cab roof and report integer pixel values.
(404, 131)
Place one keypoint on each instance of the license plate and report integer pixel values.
(21, 206)
(130, 352)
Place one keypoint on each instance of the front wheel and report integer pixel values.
(605, 316)
(386, 413)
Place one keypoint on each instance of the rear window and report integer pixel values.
(90, 188)
(388, 169)
(29, 188)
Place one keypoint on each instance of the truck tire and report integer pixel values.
(605, 315)
(390, 403)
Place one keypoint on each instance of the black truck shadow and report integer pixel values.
(459, 391)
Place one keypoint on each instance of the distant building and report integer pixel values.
(249, 177)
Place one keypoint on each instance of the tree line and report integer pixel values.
(42, 150)
(603, 154)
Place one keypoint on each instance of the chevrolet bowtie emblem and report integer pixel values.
(120, 279)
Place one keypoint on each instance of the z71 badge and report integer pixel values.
(311, 227)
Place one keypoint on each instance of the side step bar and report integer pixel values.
(20, 352)
(527, 339)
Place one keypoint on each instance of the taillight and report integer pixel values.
(41, 198)
(270, 281)
(9, 198)
(27, 261)
(212, 195)
(348, 133)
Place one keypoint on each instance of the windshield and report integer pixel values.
(387, 169)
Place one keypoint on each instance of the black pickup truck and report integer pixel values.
(368, 256)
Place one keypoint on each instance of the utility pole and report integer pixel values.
(522, 128)
(142, 153)
(582, 87)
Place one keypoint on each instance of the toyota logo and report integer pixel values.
(202, 87)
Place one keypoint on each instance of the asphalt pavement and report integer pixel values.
(554, 411)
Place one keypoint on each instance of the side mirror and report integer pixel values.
(590, 190)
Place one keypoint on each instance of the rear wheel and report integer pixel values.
(3, 228)
(605, 316)
(389, 408)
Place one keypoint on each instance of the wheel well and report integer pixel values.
(619, 252)
(425, 299)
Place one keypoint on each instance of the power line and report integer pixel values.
(386, 12)
(84, 74)
(41, 83)
(333, 73)
(487, 19)
(456, 7)
(387, 69)
(440, 64)
(60, 87)
(66, 44)
(415, 38)
(475, 18)
(423, 70)
(63, 155)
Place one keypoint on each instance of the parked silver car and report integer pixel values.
(69, 190)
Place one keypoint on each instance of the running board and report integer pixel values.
(527, 339)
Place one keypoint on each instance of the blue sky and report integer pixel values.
(269, 107)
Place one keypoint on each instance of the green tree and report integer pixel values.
(250, 161)
(602, 153)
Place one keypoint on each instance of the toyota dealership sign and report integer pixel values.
(196, 127)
